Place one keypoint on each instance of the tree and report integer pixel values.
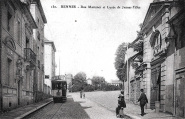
(79, 81)
(98, 82)
(138, 47)
(120, 60)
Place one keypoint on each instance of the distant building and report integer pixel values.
(49, 68)
(89, 81)
(116, 83)
(68, 78)
(38, 35)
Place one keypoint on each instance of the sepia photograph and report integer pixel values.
(92, 59)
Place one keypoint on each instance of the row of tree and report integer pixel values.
(79, 82)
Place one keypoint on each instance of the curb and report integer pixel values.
(133, 116)
(33, 110)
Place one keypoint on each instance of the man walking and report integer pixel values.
(143, 100)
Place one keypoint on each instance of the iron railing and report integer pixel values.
(29, 55)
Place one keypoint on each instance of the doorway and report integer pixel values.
(19, 92)
(156, 88)
(179, 97)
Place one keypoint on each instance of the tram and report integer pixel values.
(59, 90)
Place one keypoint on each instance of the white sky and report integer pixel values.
(90, 43)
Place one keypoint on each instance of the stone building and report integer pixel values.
(176, 51)
(132, 83)
(162, 69)
(116, 83)
(38, 35)
(17, 58)
(89, 81)
(68, 78)
(49, 61)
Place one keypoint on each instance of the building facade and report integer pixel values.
(50, 64)
(68, 78)
(116, 83)
(162, 68)
(18, 59)
(38, 35)
(89, 81)
(132, 84)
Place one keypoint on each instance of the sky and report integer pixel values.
(86, 39)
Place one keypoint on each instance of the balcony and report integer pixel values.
(158, 51)
(30, 56)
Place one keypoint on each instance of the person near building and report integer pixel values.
(121, 105)
(143, 100)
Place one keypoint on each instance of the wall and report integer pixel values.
(10, 88)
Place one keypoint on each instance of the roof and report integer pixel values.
(29, 15)
(46, 41)
(116, 81)
(154, 12)
(40, 9)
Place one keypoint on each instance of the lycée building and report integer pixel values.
(161, 68)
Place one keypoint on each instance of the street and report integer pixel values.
(70, 109)
(80, 108)
(95, 105)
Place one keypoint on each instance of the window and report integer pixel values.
(46, 76)
(9, 21)
(38, 52)
(157, 44)
(38, 81)
(38, 20)
(27, 43)
(38, 35)
(38, 64)
(19, 31)
(9, 61)
(182, 35)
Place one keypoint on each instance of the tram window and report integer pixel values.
(59, 85)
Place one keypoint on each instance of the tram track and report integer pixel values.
(56, 111)
(47, 112)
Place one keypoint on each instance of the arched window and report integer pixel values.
(156, 42)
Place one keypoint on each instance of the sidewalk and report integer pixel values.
(134, 112)
(21, 112)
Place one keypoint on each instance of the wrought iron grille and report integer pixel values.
(29, 55)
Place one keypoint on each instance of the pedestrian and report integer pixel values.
(143, 100)
(81, 94)
(121, 105)
(84, 95)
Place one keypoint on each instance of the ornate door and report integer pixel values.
(19, 92)
(179, 99)
(155, 87)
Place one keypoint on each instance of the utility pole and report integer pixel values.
(59, 66)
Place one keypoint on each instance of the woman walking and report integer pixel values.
(121, 105)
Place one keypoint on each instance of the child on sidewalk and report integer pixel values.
(121, 105)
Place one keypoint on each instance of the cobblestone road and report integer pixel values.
(79, 108)
(68, 110)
